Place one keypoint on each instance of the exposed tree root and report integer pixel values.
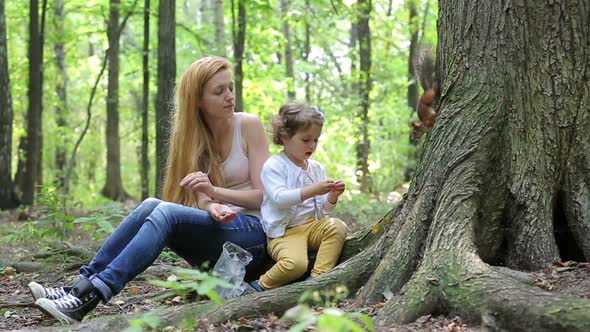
(478, 292)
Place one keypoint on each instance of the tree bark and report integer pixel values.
(305, 56)
(289, 71)
(113, 187)
(33, 147)
(239, 41)
(61, 105)
(219, 27)
(8, 198)
(495, 182)
(364, 42)
(166, 79)
(145, 162)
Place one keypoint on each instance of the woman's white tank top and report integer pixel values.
(236, 173)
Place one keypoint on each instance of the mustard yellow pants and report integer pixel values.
(289, 251)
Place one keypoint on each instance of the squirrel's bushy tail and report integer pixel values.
(423, 64)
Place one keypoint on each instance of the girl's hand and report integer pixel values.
(323, 187)
(221, 212)
(198, 181)
(336, 191)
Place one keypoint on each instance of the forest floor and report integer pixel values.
(18, 312)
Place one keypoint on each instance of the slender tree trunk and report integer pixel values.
(39, 180)
(305, 57)
(33, 140)
(205, 13)
(353, 55)
(414, 86)
(166, 79)
(363, 144)
(289, 71)
(61, 105)
(239, 40)
(8, 199)
(145, 162)
(113, 187)
(219, 27)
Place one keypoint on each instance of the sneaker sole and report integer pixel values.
(49, 309)
(36, 290)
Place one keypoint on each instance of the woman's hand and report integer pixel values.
(221, 212)
(198, 181)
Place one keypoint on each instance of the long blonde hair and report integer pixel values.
(191, 147)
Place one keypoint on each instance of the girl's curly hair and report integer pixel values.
(293, 117)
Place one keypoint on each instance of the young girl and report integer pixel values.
(296, 197)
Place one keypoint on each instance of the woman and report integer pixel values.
(212, 194)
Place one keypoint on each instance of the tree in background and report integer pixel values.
(61, 105)
(239, 41)
(145, 163)
(8, 199)
(288, 48)
(166, 83)
(414, 86)
(305, 55)
(364, 42)
(219, 25)
(113, 187)
(31, 173)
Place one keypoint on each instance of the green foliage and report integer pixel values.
(146, 322)
(330, 318)
(186, 281)
(54, 223)
(100, 223)
(324, 298)
(327, 78)
(361, 208)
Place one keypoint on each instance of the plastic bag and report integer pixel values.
(231, 267)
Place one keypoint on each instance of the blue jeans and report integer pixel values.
(191, 233)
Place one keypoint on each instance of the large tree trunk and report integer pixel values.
(498, 179)
(8, 199)
(166, 79)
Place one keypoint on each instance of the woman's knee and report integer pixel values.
(150, 203)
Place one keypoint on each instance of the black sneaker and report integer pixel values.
(52, 293)
(72, 308)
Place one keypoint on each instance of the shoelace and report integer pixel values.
(68, 302)
(55, 293)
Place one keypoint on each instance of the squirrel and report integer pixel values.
(424, 70)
